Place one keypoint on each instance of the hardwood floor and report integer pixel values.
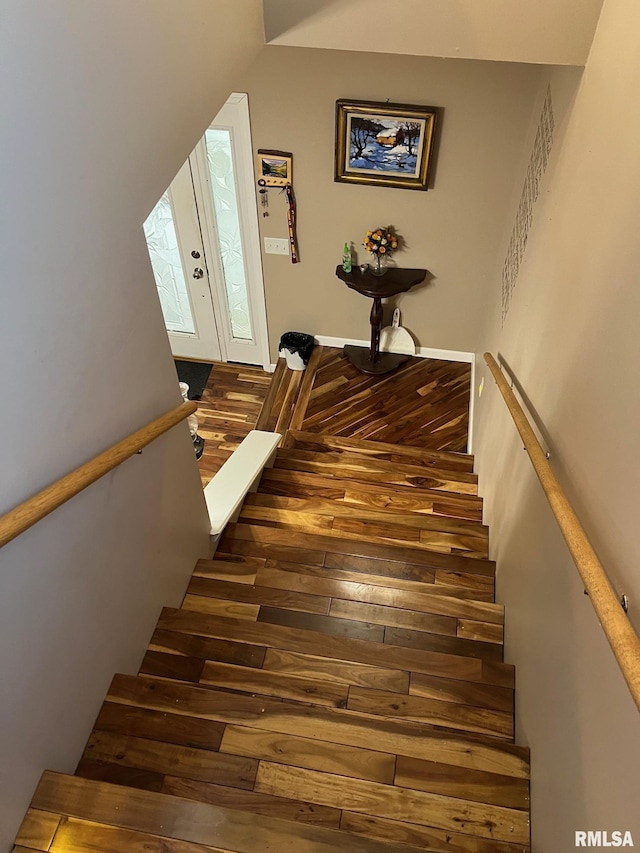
(331, 397)
(334, 679)
(423, 404)
(228, 411)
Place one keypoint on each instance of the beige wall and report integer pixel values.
(571, 339)
(547, 31)
(101, 104)
(453, 229)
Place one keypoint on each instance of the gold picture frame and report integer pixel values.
(385, 145)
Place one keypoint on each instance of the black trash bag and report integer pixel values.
(298, 342)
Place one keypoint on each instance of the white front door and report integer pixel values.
(177, 256)
(204, 246)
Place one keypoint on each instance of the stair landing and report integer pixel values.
(423, 404)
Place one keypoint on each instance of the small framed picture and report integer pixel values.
(387, 145)
(274, 168)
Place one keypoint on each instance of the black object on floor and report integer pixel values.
(195, 374)
(198, 446)
(298, 342)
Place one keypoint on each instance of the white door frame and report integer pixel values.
(234, 116)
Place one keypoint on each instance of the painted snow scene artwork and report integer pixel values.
(385, 145)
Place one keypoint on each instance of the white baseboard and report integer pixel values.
(421, 352)
(472, 406)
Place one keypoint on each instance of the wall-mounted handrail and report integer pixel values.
(620, 633)
(26, 514)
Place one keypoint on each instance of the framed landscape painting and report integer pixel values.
(274, 168)
(387, 145)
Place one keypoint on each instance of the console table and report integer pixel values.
(395, 281)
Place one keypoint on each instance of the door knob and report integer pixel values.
(198, 272)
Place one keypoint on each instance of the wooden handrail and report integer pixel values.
(24, 516)
(619, 631)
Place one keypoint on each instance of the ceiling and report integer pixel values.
(557, 32)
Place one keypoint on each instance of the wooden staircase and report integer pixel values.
(333, 681)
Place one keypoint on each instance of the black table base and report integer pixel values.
(385, 362)
(378, 288)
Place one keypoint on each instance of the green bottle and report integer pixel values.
(346, 258)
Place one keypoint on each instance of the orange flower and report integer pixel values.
(381, 241)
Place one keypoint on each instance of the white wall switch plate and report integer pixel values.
(276, 246)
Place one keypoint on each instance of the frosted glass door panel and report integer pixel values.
(229, 235)
(204, 245)
(165, 257)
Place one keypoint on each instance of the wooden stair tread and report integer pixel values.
(322, 693)
(427, 838)
(271, 781)
(372, 631)
(282, 481)
(333, 518)
(171, 817)
(183, 656)
(405, 804)
(306, 665)
(344, 460)
(256, 681)
(380, 449)
(300, 639)
(421, 521)
(238, 570)
(398, 577)
(262, 594)
(344, 727)
(299, 677)
(355, 467)
(234, 764)
(124, 758)
(311, 548)
(416, 708)
(457, 626)
(214, 793)
(311, 593)
(365, 530)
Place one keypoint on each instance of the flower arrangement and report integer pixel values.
(380, 243)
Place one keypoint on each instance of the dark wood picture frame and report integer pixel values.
(385, 145)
